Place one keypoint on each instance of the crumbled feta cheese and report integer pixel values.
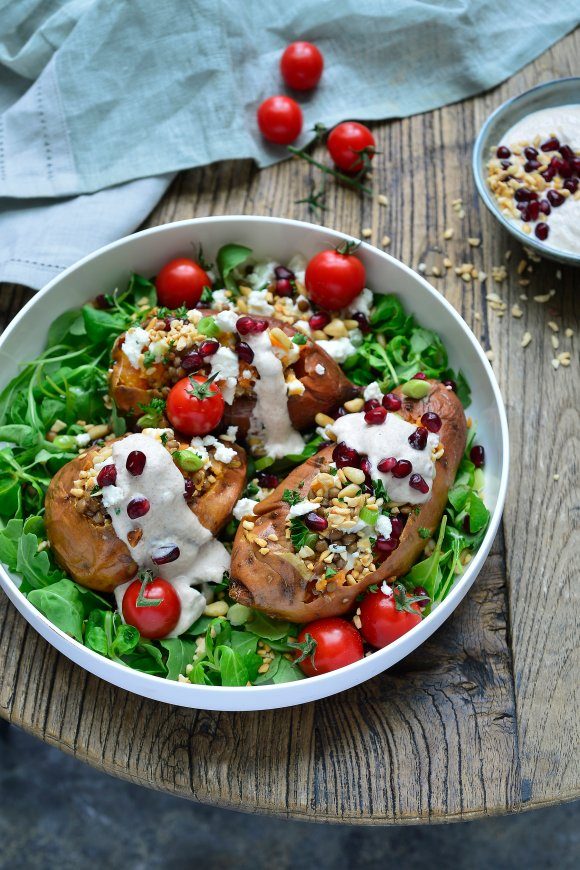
(386, 589)
(224, 454)
(303, 507)
(319, 369)
(226, 320)
(230, 435)
(258, 304)
(220, 300)
(112, 495)
(298, 265)
(302, 326)
(384, 526)
(363, 302)
(243, 507)
(372, 391)
(151, 432)
(135, 340)
(83, 439)
(262, 274)
(295, 387)
(338, 348)
(194, 315)
(198, 446)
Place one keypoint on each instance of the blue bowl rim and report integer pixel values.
(482, 189)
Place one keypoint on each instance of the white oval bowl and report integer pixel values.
(276, 238)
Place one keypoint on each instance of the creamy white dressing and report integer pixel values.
(270, 418)
(226, 364)
(564, 123)
(135, 340)
(258, 304)
(390, 439)
(169, 521)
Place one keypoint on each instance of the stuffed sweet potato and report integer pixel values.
(314, 381)
(80, 531)
(304, 567)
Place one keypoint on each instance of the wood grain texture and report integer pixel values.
(481, 719)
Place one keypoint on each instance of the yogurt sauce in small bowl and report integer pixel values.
(526, 164)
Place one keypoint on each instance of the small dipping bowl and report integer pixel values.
(560, 92)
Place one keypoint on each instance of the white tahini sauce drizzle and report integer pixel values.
(270, 418)
(390, 439)
(226, 363)
(168, 521)
(564, 123)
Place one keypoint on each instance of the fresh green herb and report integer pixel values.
(379, 490)
(300, 534)
(152, 413)
(330, 572)
(229, 258)
(299, 338)
(146, 577)
(354, 182)
(173, 313)
(424, 533)
(291, 497)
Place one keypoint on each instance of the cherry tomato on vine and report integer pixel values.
(195, 405)
(328, 644)
(334, 278)
(347, 143)
(181, 282)
(280, 120)
(384, 618)
(301, 66)
(150, 619)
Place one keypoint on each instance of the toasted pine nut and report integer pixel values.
(354, 405)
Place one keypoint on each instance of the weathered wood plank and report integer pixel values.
(436, 737)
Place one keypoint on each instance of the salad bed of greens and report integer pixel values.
(68, 382)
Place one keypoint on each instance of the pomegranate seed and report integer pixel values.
(102, 302)
(251, 325)
(138, 507)
(533, 210)
(107, 475)
(192, 362)
(571, 184)
(503, 153)
(392, 402)
(431, 421)
(556, 199)
(370, 404)
(164, 554)
(344, 455)
(386, 465)
(575, 165)
(466, 525)
(245, 352)
(556, 164)
(548, 173)
(283, 272)
(531, 165)
(376, 416)
(542, 231)
(189, 488)
(267, 480)
(418, 438)
(366, 467)
(283, 287)
(551, 144)
(450, 383)
(419, 483)
(421, 591)
(477, 456)
(397, 526)
(523, 194)
(402, 469)
(209, 347)
(362, 320)
(319, 320)
(565, 169)
(136, 462)
(567, 152)
(505, 164)
(315, 523)
(386, 545)
(420, 376)
(530, 152)
(545, 206)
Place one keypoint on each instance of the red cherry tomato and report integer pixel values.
(181, 282)
(301, 66)
(195, 405)
(328, 644)
(152, 621)
(346, 141)
(334, 278)
(280, 120)
(384, 618)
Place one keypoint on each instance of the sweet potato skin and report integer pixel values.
(93, 555)
(274, 584)
(129, 388)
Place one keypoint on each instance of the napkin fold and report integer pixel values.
(102, 102)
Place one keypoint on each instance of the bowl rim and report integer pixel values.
(322, 685)
(483, 190)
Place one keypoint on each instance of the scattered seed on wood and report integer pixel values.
(516, 311)
(553, 326)
(556, 363)
(474, 242)
(386, 241)
(367, 233)
(382, 199)
(544, 297)
(490, 355)
(448, 234)
(526, 339)
(569, 333)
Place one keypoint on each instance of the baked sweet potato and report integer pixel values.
(131, 387)
(278, 582)
(90, 552)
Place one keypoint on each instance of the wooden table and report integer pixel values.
(479, 720)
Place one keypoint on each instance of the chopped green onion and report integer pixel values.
(238, 614)
(188, 460)
(208, 326)
(369, 516)
(416, 388)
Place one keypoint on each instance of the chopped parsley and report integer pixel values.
(291, 497)
(330, 572)
(424, 533)
(300, 534)
(175, 313)
(379, 490)
(299, 338)
(148, 358)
